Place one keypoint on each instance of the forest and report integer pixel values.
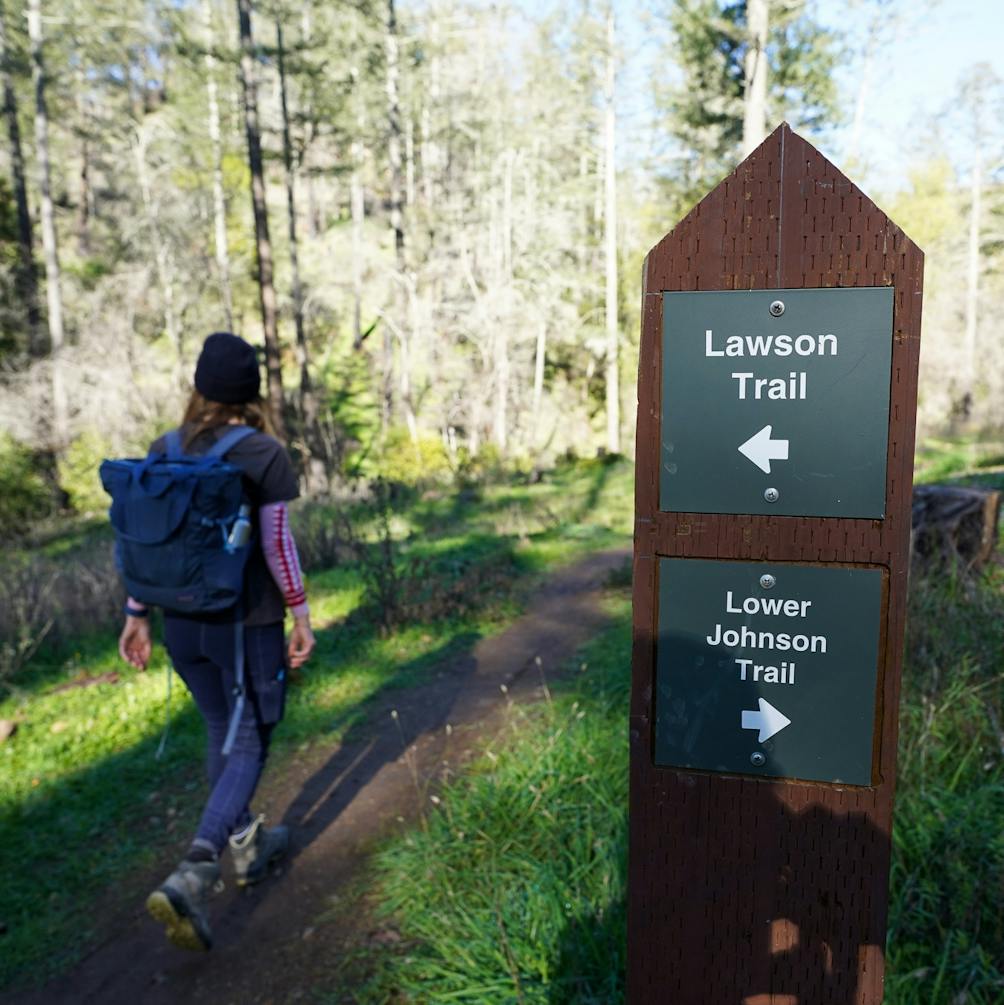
(430, 218)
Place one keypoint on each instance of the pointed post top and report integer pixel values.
(788, 213)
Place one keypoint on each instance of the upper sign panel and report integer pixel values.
(776, 402)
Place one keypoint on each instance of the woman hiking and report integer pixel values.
(203, 646)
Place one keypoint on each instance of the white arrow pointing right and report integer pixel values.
(768, 720)
(761, 449)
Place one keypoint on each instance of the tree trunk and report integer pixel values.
(54, 301)
(429, 150)
(220, 242)
(357, 206)
(501, 365)
(953, 527)
(973, 269)
(396, 217)
(306, 397)
(864, 86)
(162, 256)
(610, 235)
(538, 372)
(85, 202)
(756, 69)
(27, 277)
(266, 285)
(409, 161)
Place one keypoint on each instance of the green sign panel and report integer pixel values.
(767, 669)
(776, 401)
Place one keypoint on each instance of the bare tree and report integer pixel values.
(54, 300)
(162, 253)
(357, 209)
(755, 76)
(221, 246)
(266, 283)
(306, 398)
(610, 240)
(27, 278)
(396, 208)
(977, 91)
(539, 358)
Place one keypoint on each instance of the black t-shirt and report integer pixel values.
(268, 478)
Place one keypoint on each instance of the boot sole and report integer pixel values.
(179, 928)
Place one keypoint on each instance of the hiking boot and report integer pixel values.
(180, 902)
(256, 849)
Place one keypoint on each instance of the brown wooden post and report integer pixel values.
(745, 888)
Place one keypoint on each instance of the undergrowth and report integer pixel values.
(86, 810)
(513, 890)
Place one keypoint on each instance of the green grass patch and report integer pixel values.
(946, 928)
(85, 809)
(960, 461)
(513, 891)
(514, 888)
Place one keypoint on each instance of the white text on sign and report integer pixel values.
(753, 388)
(746, 638)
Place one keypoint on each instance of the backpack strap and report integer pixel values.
(172, 445)
(229, 440)
(239, 691)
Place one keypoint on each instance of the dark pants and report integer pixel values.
(203, 654)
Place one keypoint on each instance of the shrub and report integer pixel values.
(54, 600)
(414, 462)
(474, 469)
(25, 498)
(25, 616)
(78, 473)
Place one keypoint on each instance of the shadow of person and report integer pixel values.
(345, 788)
(755, 892)
(383, 768)
(823, 941)
(760, 890)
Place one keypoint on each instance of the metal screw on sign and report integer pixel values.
(757, 759)
(771, 495)
(777, 308)
(767, 581)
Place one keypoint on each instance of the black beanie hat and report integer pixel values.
(227, 370)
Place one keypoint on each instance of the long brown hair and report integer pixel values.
(201, 414)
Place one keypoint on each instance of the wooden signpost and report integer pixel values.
(776, 409)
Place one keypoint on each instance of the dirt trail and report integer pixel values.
(280, 941)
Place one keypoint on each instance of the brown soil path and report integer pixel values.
(281, 942)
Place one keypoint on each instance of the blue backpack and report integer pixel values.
(182, 537)
(174, 515)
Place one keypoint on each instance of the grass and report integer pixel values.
(513, 889)
(960, 461)
(946, 935)
(85, 809)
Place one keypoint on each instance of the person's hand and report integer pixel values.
(301, 642)
(134, 642)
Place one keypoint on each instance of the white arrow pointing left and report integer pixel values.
(768, 720)
(761, 449)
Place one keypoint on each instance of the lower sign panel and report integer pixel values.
(768, 669)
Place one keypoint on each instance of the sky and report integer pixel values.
(918, 77)
(914, 78)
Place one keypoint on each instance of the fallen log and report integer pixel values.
(953, 527)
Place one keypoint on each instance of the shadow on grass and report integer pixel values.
(591, 965)
(65, 847)
(63, 851)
